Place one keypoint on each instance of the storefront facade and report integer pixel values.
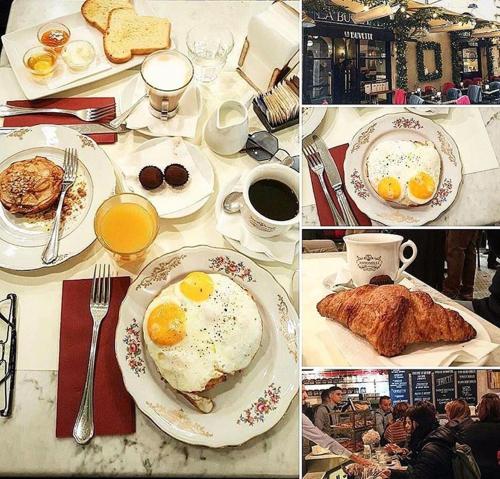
(341, 60)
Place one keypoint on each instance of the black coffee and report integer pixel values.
(274, 200)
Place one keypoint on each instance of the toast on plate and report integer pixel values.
(129, 34)
(96, 12)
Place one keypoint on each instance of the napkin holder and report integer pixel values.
(263, 67)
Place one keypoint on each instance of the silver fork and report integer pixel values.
(70, 167)
(83, 431)
(318, 168)
(85, 114)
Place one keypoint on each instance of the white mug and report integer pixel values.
(254, 221)
(377, 254)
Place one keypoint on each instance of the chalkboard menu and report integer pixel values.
(399, 385)
(467, 385)
(444, 388)
(421, 382)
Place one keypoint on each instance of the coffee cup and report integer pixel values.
(377, 254)
(270, 200)
(167, 74)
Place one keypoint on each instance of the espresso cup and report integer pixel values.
(167, 74)
(255, 220)
(377, 254)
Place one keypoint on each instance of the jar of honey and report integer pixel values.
(40, 61)
(54, 35)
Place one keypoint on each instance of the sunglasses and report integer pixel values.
(8, 308)
(263, 146)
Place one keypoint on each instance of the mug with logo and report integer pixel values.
(270, 200)
(376, 254)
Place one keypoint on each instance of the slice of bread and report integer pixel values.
(96, 12)
(130, 34)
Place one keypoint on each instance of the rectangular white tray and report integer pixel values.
(18, 42)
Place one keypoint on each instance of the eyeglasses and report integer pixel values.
(8, 308)
(264, 146)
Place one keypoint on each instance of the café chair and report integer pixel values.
(474, 93)
(447, 86)
(416, 100)
(477, 81)
(453, 94)
(467, 83)
(399, 97)
(428, 90)
(463, 100)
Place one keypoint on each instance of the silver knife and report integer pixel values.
(335, 180)
(83, 128)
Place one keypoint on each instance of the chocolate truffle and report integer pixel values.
(176, 175)
(151, 177)
(381, 280)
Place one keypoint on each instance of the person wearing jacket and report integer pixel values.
(431, 447)
(459, 411)
(483, 436)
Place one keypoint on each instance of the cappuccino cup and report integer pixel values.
(376, 254)
(167, 74)
(270, 200)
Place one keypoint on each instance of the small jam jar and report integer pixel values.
(54, 35)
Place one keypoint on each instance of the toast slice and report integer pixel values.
(96, 12)
(130, 34)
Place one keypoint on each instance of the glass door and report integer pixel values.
(471, 62)
(318, 70)
(345, 71)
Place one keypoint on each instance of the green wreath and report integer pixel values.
(438, 73)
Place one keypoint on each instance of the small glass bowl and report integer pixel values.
(78, 54)
(40, 61)
(56, 41)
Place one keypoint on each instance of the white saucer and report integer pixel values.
(257, 255)
(204, 166)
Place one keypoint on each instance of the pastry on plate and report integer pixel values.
(30, 186)
(404, 172)
(200, 330)
(391, 317)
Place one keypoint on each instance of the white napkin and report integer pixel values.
(166, 200)
(358, 351)
(183, 124)
(279, 248)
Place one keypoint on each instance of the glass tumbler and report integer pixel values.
(209, 46)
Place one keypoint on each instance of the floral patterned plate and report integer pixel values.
(246, 405)
(23, 238)
(402, 126)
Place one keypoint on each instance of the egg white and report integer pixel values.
(403, 159)
(223, 334)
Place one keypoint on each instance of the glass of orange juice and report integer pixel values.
(126, 225)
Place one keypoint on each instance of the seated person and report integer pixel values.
(395, 432)
(489, 308)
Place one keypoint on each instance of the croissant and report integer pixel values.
(391, 317)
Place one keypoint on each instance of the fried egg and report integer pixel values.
(404, 172)
(200, 329)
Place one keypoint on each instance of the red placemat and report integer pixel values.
(325, 215)
(67, 103)
(114, 410)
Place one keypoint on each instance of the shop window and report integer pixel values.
(318, 67)
(470, 59)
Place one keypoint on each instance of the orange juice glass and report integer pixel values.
(126, 225)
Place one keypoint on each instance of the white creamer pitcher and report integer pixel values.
(226, 131)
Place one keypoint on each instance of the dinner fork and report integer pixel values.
(83, 431)
(85, 114)
(70, 167)
(318, 168)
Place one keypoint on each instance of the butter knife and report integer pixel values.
(335, 180)
(84, 129)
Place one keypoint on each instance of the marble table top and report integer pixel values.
(478, 203)
(27, 440)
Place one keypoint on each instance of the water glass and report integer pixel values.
(209, 46)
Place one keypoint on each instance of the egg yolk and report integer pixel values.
(166, 324)
(422, 186)
(389, 188)
(197, 286)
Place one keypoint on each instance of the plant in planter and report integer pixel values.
(423, 74)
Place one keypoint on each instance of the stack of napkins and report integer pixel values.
(166, 200)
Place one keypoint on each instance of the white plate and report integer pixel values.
(21, 241)
(402, 126)
(257, 255)
(246, 405)
(17, 43)
(204, 166)
(428, 111)
(311, 119)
